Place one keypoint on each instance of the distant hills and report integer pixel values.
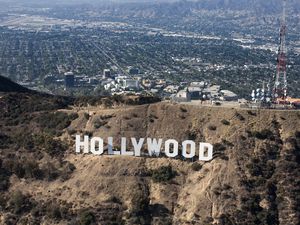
(183, 8)
(269, 6)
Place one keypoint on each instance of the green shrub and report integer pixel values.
(163, 174)
(54, 123)
(4, 181)
(192, 135)
(32, 170)
(135, 115)
(262, 135)
(251, 113)
(87, 218)
(53, 211)
(239, 116)
(182, 109)
(86, 116)
(46, 143)
(99, 123)
(212, 127)
(67, 170)
(72, 131)
(3, 201)
(219, 147)
(19, 202)
(196, 167)
(225, 122)
(114, 199)
(50, 171)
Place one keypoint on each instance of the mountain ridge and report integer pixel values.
(6, 85)
(252, 178)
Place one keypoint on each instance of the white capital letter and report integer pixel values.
(110, 147)
(192, 153)
(84, 144)
(175, 148)
(100, 146)
(153, 146)
(137, 146)
(123, 147)
(205, 147)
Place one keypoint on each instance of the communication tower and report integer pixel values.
(280, 86)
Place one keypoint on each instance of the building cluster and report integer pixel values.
(203, 91)
(136, 83)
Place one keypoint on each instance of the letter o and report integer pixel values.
(192, 153)
(100, 146)
(175, 148)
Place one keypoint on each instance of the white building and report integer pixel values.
(182, 96)
(228, 96)
(131, 84)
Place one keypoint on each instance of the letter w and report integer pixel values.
(154, 146)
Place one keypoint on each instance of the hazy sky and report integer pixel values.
(82, 1)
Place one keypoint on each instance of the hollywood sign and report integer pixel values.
(95, 146)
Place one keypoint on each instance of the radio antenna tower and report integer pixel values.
(280, 87)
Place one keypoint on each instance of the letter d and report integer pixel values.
(205, 147)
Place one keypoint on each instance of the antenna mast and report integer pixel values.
(280, 87)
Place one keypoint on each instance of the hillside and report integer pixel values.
(253, 178)
(6, 85)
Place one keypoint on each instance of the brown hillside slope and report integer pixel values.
(253, 178)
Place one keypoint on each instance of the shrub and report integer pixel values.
(140, 201)
(262, 135)
(227, 143)
(86, 116)
(192, 135)
(50, 172)
(5, 141)
(72, 131)
(114, 199)
(219, 147)
(18, 202)
(182, 109)
(225, 122)
(251, 113)
(4, 182)
(26, 168)
(88, 133)
(135, 115)
(239, 116)
(47, 143)
(196, 166)
(163, 174)
(32, 169)
(53, 211)
(54, 123)
(17, 168)
(212, 127)
(3, 201)
(87, 218)
(99, 123)
(107, 102)
(67, 170)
